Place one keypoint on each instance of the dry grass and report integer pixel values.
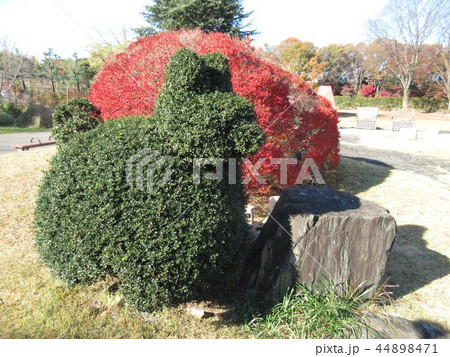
(35, 305)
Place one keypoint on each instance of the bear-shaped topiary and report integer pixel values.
(123, 199)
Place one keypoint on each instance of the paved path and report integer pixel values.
(434, 168)
(13, 139)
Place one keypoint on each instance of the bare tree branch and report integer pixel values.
(401, 31)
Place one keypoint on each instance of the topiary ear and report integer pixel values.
(185, 72)
(218, 72)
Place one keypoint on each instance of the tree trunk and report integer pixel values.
(24, 85)
(53, 87)
(406, 84)
(405, 99)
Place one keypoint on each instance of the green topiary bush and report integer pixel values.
(166, 244)
(6, 118)
(74, 116)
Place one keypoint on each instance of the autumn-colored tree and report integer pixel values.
(426, 78)
(442, 65)
(295, 120)
(316, 69)
(401, 30)
(336, 74)
(295, 55)
(357, 71)
(376, 72)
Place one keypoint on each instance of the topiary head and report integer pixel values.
(190, 72)
(198, 113)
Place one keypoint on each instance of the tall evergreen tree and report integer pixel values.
(225, 16)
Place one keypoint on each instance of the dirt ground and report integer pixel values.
(411, 178)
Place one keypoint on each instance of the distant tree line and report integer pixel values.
(350, 68)
(396, 62)
(23, 77)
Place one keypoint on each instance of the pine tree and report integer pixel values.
(225, 16)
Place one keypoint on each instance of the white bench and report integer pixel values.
(402, 119)
(366, 117)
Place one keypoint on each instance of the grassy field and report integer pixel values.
(35, 305)
(16, 130)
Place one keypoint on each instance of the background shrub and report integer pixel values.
(6, 118)
(177, 240)
(13, 109)
(429, 105)
(384, 94)
(367, 91)
(386, 102)
(36, 115)
(292, 116)
(74, 116)
(347, 91)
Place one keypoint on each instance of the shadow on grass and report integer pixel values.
(411, 264)
(356, 175)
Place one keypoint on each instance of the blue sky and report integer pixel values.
(69, 26)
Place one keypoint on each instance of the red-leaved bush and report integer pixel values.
(367, 91)
(384, 94)
(294, 119)
(347, 91)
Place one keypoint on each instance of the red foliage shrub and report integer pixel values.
(292, 116)
(396, 90)
(347, 91)
(367, 91)
(384, 94)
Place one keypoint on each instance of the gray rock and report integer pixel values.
(314, 233)
(396, 327)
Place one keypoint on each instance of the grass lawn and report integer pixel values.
(16, 130)
(35, 305)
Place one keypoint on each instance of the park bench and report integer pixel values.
(366, 117)
(402, 119)
(34, 142)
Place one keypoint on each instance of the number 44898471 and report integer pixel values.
(407, 348)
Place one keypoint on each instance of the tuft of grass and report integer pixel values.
(328, 312)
